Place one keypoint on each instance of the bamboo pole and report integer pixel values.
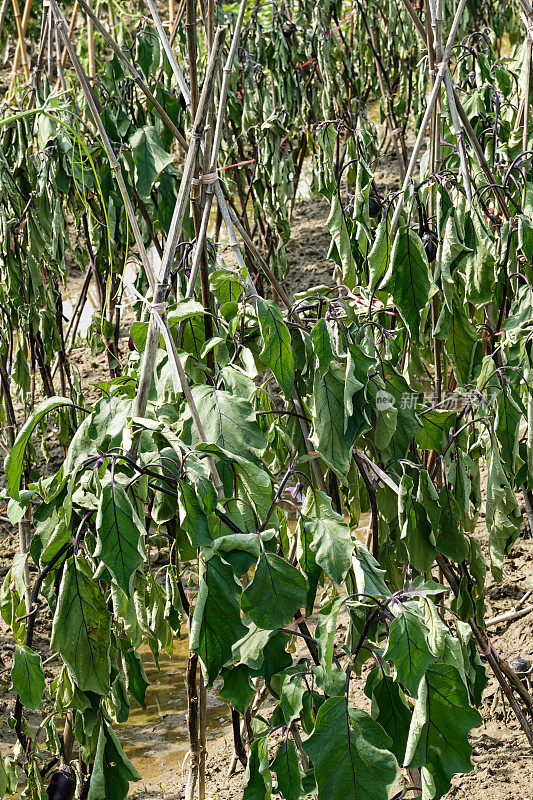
(134, 74)
(21, 40)
(169, 53)
(161, 288)
(61, 23)
(20, 44)
(443, 66)
(91, 49)
(3, 12)
(527, 91)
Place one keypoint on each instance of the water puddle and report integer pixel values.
(155, 739)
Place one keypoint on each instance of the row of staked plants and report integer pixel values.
(324, 408)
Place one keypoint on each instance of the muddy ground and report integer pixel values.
(156, 740)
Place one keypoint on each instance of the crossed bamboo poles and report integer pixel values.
(439, 60)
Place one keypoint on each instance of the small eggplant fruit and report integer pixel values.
(523, 668)
(62, 784)
(374, 206)
(430, 242)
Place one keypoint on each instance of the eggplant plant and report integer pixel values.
(389, 394)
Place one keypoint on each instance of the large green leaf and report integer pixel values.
(409, 280)
(408, 650)
(330, 537)
(276, 592)
(216, 624)
(14, 463)
(334, 431)
(389, 709)
(438, 736)
(149, 157)
(80, 630)
(336, 221)
(228, 422)
(503, 514)
(257, 781)
(508, 418)
(351, 754)
(288, 771)
(459, 335)
(277, 345)
(27, 677)
(112, 770)
(120, 535)
(416, 528)
(238, 689)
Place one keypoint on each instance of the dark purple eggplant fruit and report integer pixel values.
(62, 784)
(430, 241)
(374, 206)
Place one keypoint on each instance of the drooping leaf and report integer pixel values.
(503, 514)
(120, 535)
(257, 781)
(351, 754)
(459, 335)
(14, 463)
(27, 677)
(409, 279)
(368, 574)
(508, 416)
(216, 625)
(416, 528)
(333, 431)
(80, 630)
(438, 736)
(136, 679)
(149, 157)
(277, 590)
(450, 539)
(277, 346)
(408, 650)
(288, 771)
(112, 770)
(389, 709)
(330, 537)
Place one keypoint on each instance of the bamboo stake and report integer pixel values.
(71, 28)
(168, 260)
(18, 51)
(527, 90)
(91, 49)
(134, 74)
(21, 40)
(61, 23)
(195, 197)
(210, 188)
(509, 616)
(443, 66)
(3, 12)
(169, 53)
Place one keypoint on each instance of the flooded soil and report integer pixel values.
(155, 738)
